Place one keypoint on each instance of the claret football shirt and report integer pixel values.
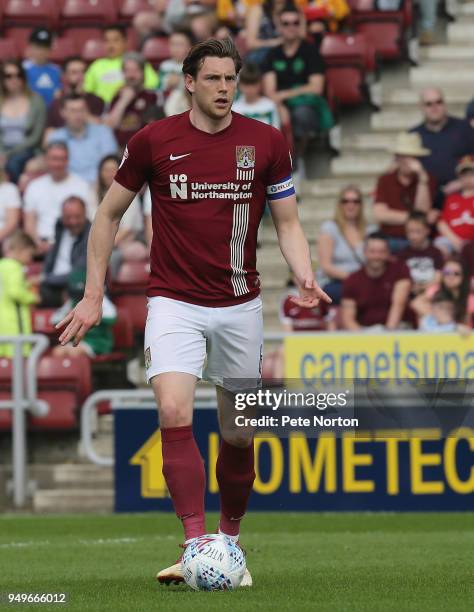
(208, 195)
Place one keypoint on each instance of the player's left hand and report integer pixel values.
(310, 295)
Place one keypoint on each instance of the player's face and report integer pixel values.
(214, 87)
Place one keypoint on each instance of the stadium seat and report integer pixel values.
(386, 30)
(93, 49)
(87, 12)
(20, 37)
(8, 49)
(346, 67)
(63, 47)
(32, 13)
(136, 307)
(156, 50)
(127, 9)
(41, 322)
(5, 392)
(82, 35)
(133, 275)
(59, 373)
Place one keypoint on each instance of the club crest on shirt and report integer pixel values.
(148, 358)
(245, 157)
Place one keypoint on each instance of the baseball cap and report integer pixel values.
(465, 163)
(41, 36)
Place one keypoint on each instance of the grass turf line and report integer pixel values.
(354, 562)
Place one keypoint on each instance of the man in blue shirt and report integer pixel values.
(44, 78)
(88, 143)
(448, 138)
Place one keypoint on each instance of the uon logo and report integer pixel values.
(245, 157)
(179, 186)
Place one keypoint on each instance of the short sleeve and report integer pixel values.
(349, 288)
(29, 198)
(10, 195)
(382, 194)
(135, 167)
(402, 271)
(330, 229)
(279, 181)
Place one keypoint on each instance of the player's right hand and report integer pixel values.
(86, 314)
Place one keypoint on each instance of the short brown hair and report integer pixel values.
(19, 240)
(210, 48)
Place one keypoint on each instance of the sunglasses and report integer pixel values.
(351, 201)
(11, 75)
(438, 102)
(290, 23)
(452, 273)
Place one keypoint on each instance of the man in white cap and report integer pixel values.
(404, 188)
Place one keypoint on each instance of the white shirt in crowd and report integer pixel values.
(62, 265)
(45, 197)
(263, 109)
(9, 198)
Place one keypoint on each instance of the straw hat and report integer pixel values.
(409, 143)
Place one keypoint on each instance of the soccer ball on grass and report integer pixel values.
(213, 562)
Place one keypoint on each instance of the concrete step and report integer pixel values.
(371, 141)
(447, 53)
(82, 475)
(461, 31)
(73, 500)
(367, 164)
(410, 97)
(331, 187)
(465, 10)
(394, 121)
(454, 75)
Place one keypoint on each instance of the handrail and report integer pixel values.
(121, 398)
(19, 404)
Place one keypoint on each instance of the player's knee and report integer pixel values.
(238, 439)
(173, 413)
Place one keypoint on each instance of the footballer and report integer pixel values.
(210, 173)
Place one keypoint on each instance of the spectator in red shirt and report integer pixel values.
(422, 258)
(127, 108)
(377, 294)
(406, 187)
(456, 224)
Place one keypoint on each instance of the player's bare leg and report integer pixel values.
(235, 470)
(183, 467)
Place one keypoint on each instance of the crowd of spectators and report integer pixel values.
(63, 131)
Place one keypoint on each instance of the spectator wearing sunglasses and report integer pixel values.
(341, 242)
(448, 139)
(455, 282)
(22, 119)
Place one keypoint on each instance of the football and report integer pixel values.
(213, 562)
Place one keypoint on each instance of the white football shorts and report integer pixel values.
(222, 345)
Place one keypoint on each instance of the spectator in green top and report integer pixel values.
(16, 297)
(99, 339)
(104, 77)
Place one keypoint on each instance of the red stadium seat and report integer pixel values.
(136, 307)
(41, 322)
(133, 275)
(345, 74)
(123, 331)
(59, 373)
(349, 48)
(32, 13)
(87, 12)
(8, 50)
(20, 36)
(156, 49)
(62, 48)
(82, 35)
(129, 8)
(93, 49)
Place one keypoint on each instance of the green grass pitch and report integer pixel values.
(299, 561)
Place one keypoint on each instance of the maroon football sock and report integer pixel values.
(235, 475)
(183, 469)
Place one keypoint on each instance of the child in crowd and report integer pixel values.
(442, 317)
(423, 259)
(44, 77)
(456, 224)
(251, 102)
(171, 73)
(16, 297)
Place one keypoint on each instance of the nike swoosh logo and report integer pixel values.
(174, 157)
